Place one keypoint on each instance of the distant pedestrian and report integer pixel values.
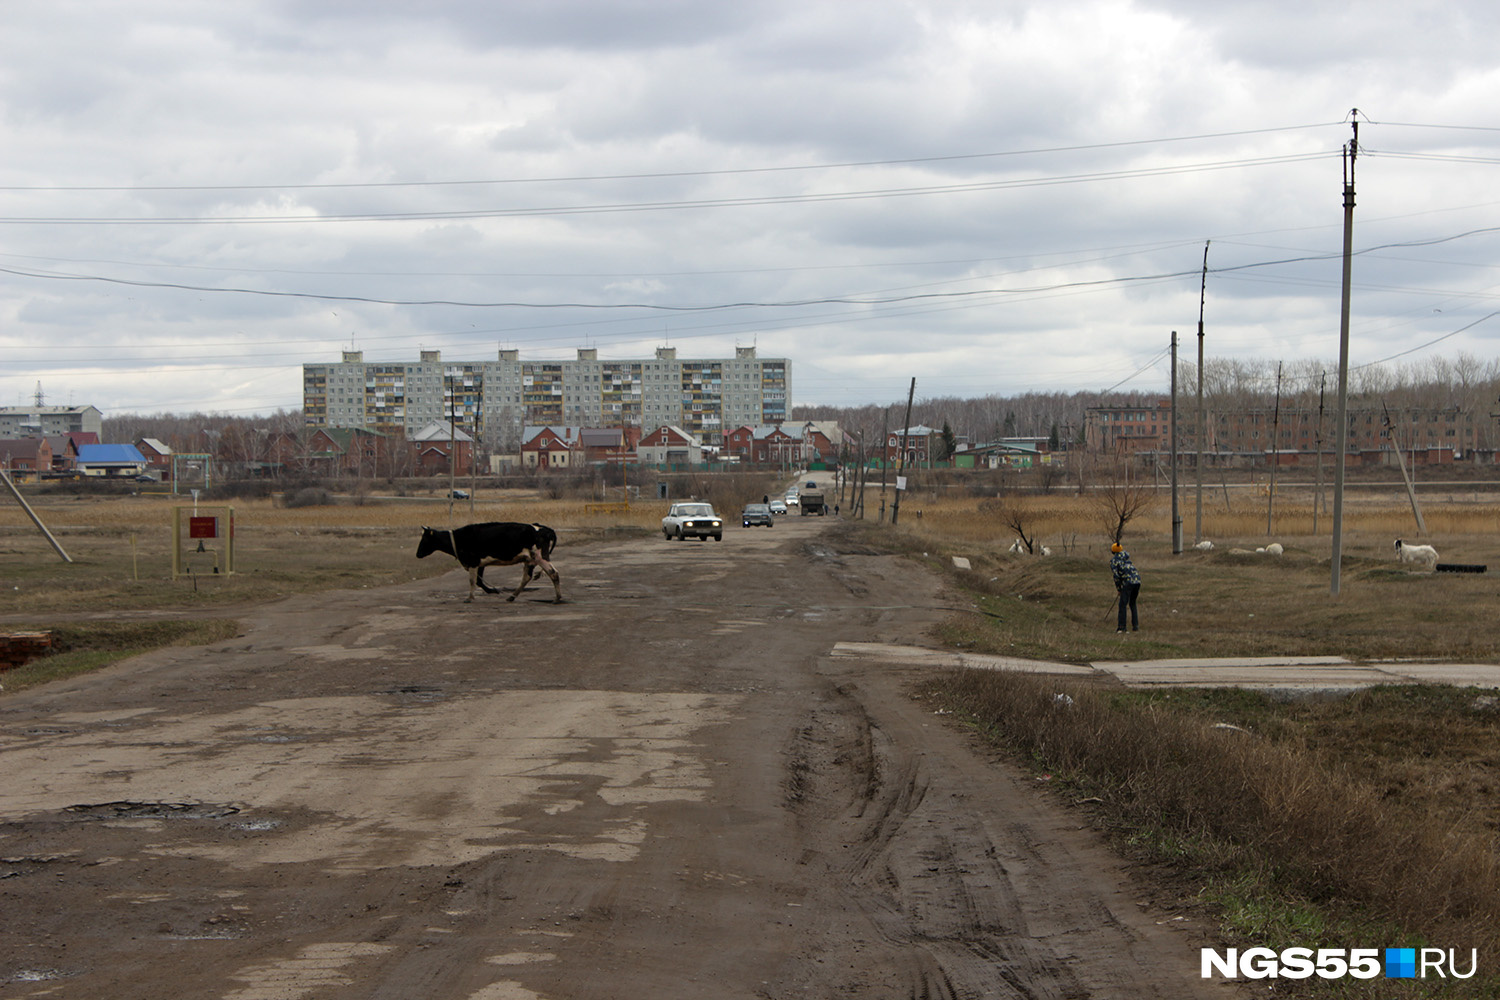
(1127, 585)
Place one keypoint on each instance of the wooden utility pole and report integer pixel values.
(11, 488)
(905, 436)
(1350, 153)
(1411, 493)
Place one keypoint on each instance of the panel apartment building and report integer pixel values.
(494, 400)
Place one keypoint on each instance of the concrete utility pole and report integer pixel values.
(1275, 441)
(1350, 152)
(901, 466)
(1318, 498)
(1176, 517)
(1202, 432)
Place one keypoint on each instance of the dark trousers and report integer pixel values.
(1128, 593)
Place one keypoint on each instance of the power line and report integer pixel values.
(664, 175)
(629, 207)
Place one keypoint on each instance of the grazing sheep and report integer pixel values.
(1424, 555)
(1016, 548)
(1274, 549)
(1046, 551)
(1204, 546)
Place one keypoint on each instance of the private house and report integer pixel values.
(822, 442)
(609, 445)
(669, 445)
(920, 442)
(110, 460)
(552, 447)
(766, 444)
(439, 447)
(65, 449)
(26, 457)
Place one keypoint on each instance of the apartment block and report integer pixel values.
(495, 400)
(49, 421)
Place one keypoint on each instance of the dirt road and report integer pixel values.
(664, 788)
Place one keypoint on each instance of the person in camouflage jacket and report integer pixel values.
(1127, 585)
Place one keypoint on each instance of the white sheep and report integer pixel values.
(1016, 547)
(1424, 555)
(1274, 549)
(1204, 546)
(1046, 551)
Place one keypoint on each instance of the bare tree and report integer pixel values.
(1012, 515)
(1118, 500)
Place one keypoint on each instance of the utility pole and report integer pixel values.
(1318, 498)
(1411, 492)
(1275, 440)
(905, 436)
(1350, 153)
(1202, 432)
(1176, 517)
(885, 456)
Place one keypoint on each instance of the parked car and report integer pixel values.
(778, 507)
(458, 494)
(757, 513)
(692, 520)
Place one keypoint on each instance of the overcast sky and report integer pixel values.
(197, 198)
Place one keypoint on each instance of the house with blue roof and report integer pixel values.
(110, 460)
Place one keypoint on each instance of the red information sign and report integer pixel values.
(203, 527)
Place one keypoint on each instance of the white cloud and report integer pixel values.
(676, 153)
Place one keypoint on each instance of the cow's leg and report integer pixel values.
(479, 579)
(546, 567)
(473, 578)
(528, 558)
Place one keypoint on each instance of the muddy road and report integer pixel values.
(663, 788)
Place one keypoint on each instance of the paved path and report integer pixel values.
(1321, 673)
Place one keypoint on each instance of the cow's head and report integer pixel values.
(430, 543)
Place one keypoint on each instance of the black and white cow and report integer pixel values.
(495, 543)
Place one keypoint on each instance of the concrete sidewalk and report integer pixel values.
(1309, 673)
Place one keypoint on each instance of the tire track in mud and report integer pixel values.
(966, 901)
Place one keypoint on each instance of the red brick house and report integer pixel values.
(609, 445)
(551, 447)
(669, 445)
(767, 444)
(432, 445)
(26, 456)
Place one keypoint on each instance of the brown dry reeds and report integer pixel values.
(1323, 836)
